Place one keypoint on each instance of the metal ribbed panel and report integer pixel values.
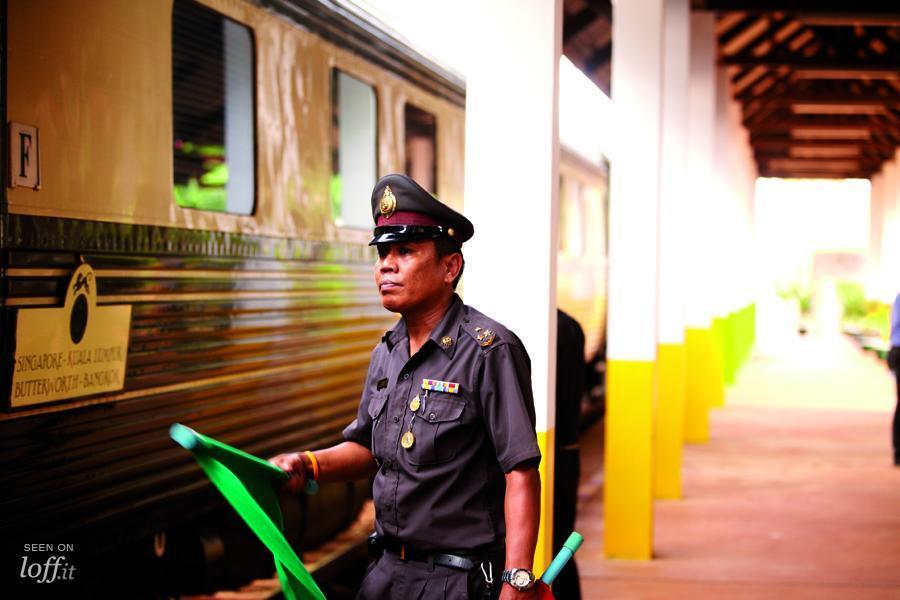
(267, 355)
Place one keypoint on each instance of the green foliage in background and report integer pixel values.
(852, 298)
(867, 317)
(801, 294)
(877, 320)
(209, 192)
(193, 195)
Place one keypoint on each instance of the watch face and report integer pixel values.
(521, 578)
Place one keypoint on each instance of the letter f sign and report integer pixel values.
(25, 156)
(24, 153)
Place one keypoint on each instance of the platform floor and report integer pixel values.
(794, 496)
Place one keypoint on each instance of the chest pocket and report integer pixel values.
(439, 429)
(376, 412)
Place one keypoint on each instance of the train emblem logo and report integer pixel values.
(76, 350)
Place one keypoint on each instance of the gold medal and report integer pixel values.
(414, 404)
(408, 440)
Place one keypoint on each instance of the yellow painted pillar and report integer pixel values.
(670, 418)
(699, 383)
(511, 95)
(670, 353)
(633, 247)
(717, 400)
(701, 280)
(628, 481)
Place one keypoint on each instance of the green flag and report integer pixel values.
(249, 484)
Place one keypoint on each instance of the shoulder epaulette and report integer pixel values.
(484, 336)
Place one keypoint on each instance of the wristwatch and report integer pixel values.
(521, 579)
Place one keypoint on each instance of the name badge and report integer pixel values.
(440, 386)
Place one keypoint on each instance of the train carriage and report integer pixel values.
(205, 159)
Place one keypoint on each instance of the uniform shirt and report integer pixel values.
(446, 492)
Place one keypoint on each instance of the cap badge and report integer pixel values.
(388, 203)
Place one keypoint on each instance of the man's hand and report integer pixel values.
(295, 464)
(347, 461)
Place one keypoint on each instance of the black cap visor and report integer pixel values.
(388, 234)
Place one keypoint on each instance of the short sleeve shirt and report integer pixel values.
(465, 400)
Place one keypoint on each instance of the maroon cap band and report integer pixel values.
(407, 218)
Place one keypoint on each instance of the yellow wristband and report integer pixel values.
(315, 465)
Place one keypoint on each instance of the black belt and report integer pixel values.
(462, 561)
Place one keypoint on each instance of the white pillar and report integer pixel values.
(673, 201)
(703, 377)
(721, 204)
(700, 154)
(511, 188)
(674, 191)
(633, 223)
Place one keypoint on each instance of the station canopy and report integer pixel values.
(818, 80)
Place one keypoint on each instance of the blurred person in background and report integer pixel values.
(894, 364)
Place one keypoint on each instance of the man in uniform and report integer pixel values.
(446, 422)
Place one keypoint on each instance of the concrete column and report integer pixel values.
(720, 231)
(634, 202)
(703, 378)
(672, 206)
(745, 286)
(737, 171)
(511, 187)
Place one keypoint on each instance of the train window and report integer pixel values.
(421, 147)
(354, 147)
(213, 113)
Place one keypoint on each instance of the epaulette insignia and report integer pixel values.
(485, 337)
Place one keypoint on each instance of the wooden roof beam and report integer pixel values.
(862, 73)
(795, 174)
(810, 7)
(598, 58)
(816, 153)
(738, 29)
(784, 140)
(816, 63)
(843, 20)
(575, 24)
(812, 98)
(790, 120)
(817, 162)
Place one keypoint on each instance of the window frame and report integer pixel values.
(335, 137)
(436, 180)
(254, 68)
